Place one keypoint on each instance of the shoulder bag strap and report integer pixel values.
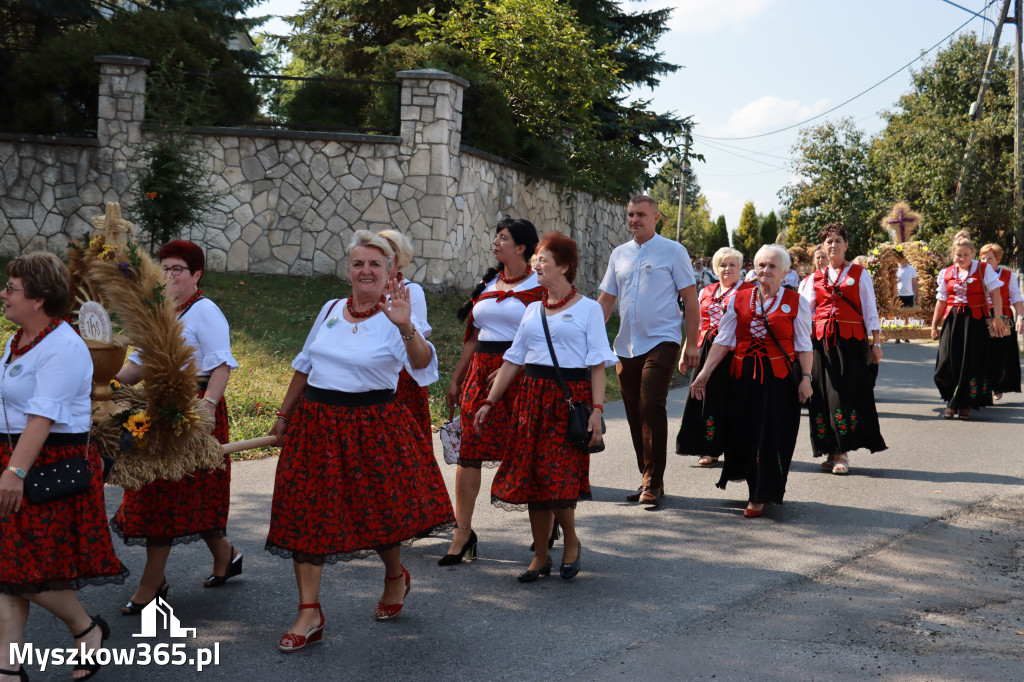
(554, 358)
(768, 328)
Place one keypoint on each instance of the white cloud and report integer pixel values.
(706, 16)
(767, 114)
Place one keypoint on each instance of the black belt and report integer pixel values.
(493, 347)
(343, 399)
(53, 440)
(548, 372)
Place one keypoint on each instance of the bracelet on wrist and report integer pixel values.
(808, 375)
(210, 400)
(409, 336)
(283, 418)
(487, 401)
(599, 406)
(18, 472)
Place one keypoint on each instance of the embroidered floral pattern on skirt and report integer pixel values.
(416, 399)
(488, 447)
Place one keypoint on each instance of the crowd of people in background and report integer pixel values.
(357, 474)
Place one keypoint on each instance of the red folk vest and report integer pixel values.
(707, 296)
(976, 299)
(833, 313)
(781, 320)
(1004, 291)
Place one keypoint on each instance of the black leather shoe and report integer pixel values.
(134, 609)
(551, 540)
(635, 497)
(234, 569)
(468, 551)
(569, 571)
(92, 668)
(532, 576)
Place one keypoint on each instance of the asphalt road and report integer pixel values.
(910, 568)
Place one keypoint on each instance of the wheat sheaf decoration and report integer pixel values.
(158, 428)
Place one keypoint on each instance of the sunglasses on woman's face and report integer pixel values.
(175, 270)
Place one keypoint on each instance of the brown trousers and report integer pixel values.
(644, 381)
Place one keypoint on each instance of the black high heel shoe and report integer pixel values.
(569, 571)
(234, 569)
(93, 668)
(134, 609)
(468, 551)
(532, 576)
(555, 534)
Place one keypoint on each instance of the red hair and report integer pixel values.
(564, 251)
(190, 252)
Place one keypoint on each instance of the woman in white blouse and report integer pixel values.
(48, 549)
(962, 306)
(1004, 368)
(492, 315)
(769, 329)
(542, 470)
(351, 480)
(847, 350)
(166, 513)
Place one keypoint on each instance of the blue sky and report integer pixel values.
(755, 66)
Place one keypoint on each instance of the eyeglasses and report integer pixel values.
(175, 270)
(11, 288)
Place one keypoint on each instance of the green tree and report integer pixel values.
(747, 237)
(719, 236)
(920, 152)
(835, 185)
(769, 228)
(666, 185)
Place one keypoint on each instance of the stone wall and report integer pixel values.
(290, 201)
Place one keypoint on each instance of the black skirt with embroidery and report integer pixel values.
(704, 428)
(962, 364)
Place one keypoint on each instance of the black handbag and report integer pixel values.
(576, 428)
(57, 481)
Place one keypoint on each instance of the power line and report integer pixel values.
(857, 96)
(741, 156)
(742, 149)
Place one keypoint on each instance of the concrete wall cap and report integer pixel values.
(432, 74)
(121, 59)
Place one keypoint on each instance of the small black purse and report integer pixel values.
(57, 481)
(576, 431)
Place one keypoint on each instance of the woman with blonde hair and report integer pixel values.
(416, 398)
(1004, 370)
(352, 480)
(961, 305)
(704, 428)
(48, 548)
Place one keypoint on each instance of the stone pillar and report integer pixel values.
(431, 137)
(122, 109)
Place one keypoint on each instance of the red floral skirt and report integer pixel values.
(490, 445)
(59, 545)
(352, 480)
(417, 400)
(540, 467)
(178, 512)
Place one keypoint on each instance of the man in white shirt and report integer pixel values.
(646, 276)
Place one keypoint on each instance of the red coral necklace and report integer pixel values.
(359, 316)
(17, 350)
(558, 304)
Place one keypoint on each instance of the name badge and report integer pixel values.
(970, 280)
(566, 316)
(785, 308)
(648, 268)
(849, 281)
(16, 370)
(331, 322)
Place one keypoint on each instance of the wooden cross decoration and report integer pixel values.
(115, 228)
(901, 222)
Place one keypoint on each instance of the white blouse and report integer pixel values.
(1013, 290)
(52, 380)
(868, 306)
(959, 293)
(356, 357)
(577, 333)
(418, 301)
(801, 324)
(499, 320)
(206, 332)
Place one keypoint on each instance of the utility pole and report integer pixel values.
(976, 108)
(1018, 113)
(684, 172)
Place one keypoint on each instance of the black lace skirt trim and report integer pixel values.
(321, 559)
(54, 585)
(541, 504)
(135, 541)
(480, 463)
